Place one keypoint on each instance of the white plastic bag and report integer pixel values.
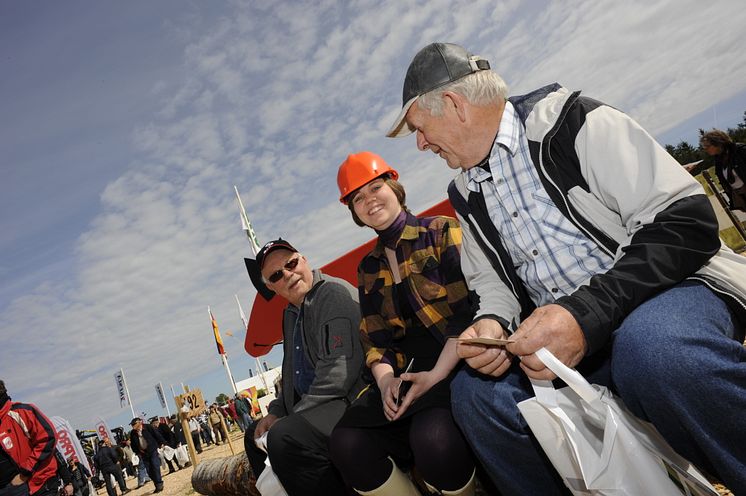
(182, 455)
(168, 452)
(267, 483)
(598, 446)
(135, 460)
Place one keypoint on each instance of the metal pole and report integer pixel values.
(124, 380)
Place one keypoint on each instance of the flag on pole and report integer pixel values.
(68, 443)
(124, 398)
(218, 339)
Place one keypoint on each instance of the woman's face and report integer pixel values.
(710, 149)
(376, 204)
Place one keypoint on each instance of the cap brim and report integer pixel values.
(400, 127)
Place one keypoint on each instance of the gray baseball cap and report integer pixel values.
(434, 66)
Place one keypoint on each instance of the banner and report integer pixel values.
(68, 443)
(161, 396)
(123, 397)
(218, 340)
(103, 431)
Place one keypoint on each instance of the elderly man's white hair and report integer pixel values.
(480, 89)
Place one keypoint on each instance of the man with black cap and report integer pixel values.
(583, 236)
(321, 372)
(146, 440)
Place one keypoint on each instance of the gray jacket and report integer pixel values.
(330, 330)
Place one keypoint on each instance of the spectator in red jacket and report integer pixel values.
(27, 443)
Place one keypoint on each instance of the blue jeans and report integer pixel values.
(142, 474)
(677, 361)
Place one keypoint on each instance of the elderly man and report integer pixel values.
(321, 372)
(146, 440)
(581, 235)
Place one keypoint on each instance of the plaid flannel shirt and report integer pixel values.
(428, 253)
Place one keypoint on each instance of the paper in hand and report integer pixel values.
(485, 341)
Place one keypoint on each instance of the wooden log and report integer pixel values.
(230, 476)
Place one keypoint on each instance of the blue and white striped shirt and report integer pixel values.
(551, 256)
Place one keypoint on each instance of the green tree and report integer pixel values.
(222, 399)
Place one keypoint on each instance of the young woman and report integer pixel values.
(730, 165)
(412, 298)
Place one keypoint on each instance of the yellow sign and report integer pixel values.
(191, 403)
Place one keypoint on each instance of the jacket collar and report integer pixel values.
(411, 231)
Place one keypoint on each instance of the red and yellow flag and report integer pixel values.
(218, 339)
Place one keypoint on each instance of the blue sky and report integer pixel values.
(125, 126)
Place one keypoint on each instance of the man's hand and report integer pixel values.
(264, 425)
(489, 360)
(19, 479)
(551, 327)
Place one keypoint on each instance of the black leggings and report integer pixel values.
(430, 437)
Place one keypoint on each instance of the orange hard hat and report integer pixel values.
(358, 170)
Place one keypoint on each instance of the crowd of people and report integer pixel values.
(30, 464)
(574, 232)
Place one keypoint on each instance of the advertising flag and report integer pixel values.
(122, 389)
(103, 431)
(218, 339)
(161, 396)
(68, 443)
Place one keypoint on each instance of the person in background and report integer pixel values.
(145, 441)
(80, 476)
(107, 462)
(233, 414)
(242, 412)
(28, 465)
(730, 165)
(413, 297)
(581, 235)
(321, 369)
(166, 430)
(216, 418)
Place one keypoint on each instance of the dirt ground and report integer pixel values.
(180, 483)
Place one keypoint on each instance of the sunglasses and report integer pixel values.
(290, 265)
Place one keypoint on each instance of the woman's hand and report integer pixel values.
(421, 383)
(389, 386)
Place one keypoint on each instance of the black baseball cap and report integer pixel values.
(434, 66)
(268, 248)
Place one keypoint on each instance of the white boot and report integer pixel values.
(468, 490)
(398, 484)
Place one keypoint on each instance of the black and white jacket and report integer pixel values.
(611, 179)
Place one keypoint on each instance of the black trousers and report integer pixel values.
(116, 471)
(299, 454)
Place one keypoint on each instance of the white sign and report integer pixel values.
(102, 429)
(161, 396)
(68, 443)
(123, 398)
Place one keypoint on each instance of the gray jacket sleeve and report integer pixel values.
(331, 329)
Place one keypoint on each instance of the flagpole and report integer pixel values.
(246, 225)
(126, 389)
(254, 243)
(214, 324)
(246, 326)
